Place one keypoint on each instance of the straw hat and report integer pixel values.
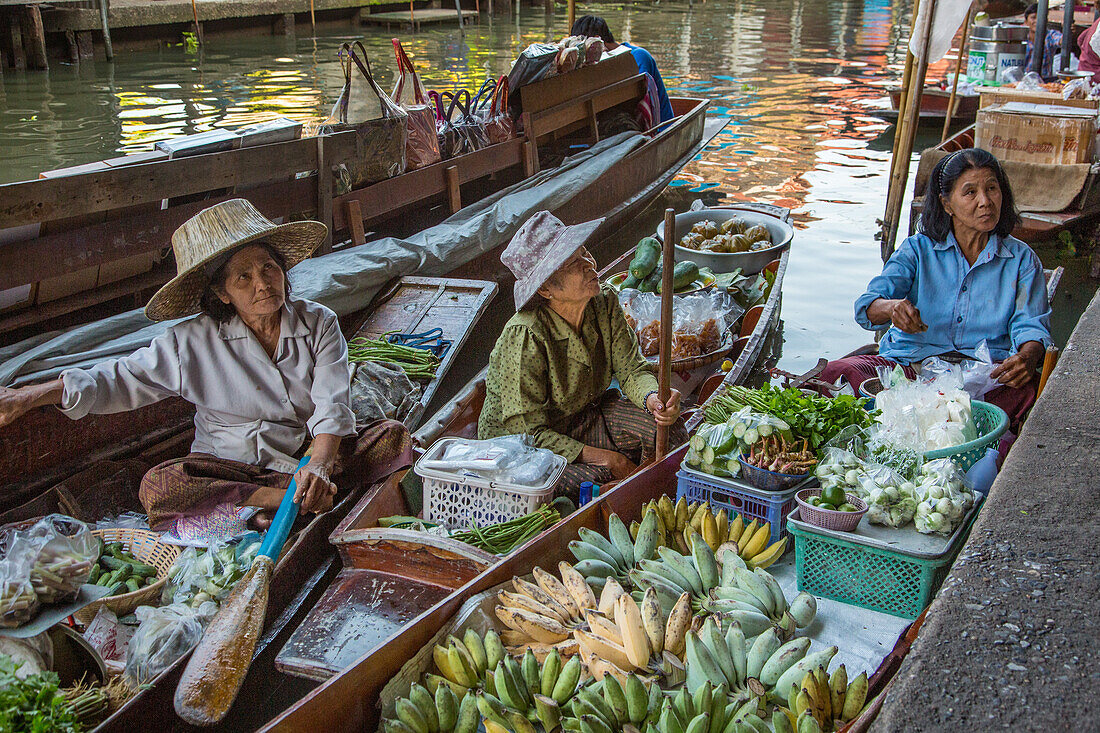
(215, 233)
(539, 248)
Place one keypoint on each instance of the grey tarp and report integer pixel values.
(346, 280)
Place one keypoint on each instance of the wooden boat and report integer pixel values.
(45, 448)
(934, 104)
(1035, 226)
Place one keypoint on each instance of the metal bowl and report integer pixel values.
(750, 262)
(1075, 74)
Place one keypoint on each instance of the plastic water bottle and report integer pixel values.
(595, 491)
(982, 473)
(585, 493)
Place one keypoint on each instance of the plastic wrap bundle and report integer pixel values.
(924, 415)
(164, 635)
(699, 321)
(64, 550)
(509, 459)
(891, 499)
(209, 574)
(944, 497)
(841, 467)
(714, 448)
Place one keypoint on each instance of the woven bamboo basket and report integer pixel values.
(147, 548)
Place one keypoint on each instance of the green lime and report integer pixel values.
(814, 501)
(834, 494)
(827, 505)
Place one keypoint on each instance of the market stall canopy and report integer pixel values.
(346, 280)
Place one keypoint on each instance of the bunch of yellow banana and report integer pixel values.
(822, 703)
(676, 522)
(624, 637)
(543, 614)
(611, 705)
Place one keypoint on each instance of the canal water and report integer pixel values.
(795, 78)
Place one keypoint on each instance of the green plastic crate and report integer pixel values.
(869, 577)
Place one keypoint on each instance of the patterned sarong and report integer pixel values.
(200, 483)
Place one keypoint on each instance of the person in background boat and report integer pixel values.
(1052, 44)
(593, 26)
(268, 375)
(1090, 59)
(963, 279)
(551, 369)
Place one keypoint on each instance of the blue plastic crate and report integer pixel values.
(740, 498)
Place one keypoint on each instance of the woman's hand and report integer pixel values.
(619, 465)
(315, 492)
(665, 414)
(1019, 369)
(901, 313)
(14, 403)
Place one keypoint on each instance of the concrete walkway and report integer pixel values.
(1011, 640)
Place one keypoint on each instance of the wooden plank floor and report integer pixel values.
(427, 15)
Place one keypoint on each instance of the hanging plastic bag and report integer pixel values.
(164, 635)
(470, 128)
(381, 130)
(64, 550)
(422, 143)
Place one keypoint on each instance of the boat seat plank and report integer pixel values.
(579, 111)
(555, 90)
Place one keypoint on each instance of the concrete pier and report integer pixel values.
(1010, 642)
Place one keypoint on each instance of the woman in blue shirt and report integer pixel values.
(962, 280)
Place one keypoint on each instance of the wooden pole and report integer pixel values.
(572, 14)
(108, 49)
(34, 38)
(664, 358)
(458, 9)
(909, 117)
(906, 75)
(412, 18)
(198, 28)
(958, 67)
(312, 18)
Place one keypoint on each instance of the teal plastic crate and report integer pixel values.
(870, 577)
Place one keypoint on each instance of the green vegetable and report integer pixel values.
(113, 562)
(500, 539)
(630, 283)
(416, 363)
(652, 281)
(96, 572)
(132, 584)
(646, 257)
(684, 274)
(145, 571)
(33, 704)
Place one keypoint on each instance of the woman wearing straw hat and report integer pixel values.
(268, 375)
(551, 370)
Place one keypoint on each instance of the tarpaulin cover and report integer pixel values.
(345, 281)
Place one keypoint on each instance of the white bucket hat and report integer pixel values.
(214, 233)
(539, 248)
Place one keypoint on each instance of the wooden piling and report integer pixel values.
(15, 33)
(284, 25)
(74, 49)
(34, 38)
(84, 45)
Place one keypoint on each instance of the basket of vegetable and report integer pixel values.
(135, 564)
(830, 508)
(773, 464)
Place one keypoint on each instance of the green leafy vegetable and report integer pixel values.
(33, 705)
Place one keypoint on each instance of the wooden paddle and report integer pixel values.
(214, 673)
(664, 355)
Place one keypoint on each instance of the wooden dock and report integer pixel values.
(418, 18)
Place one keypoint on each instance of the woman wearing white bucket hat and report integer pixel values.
(551, 370)
(268, 376)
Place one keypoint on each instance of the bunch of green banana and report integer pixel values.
(464, 662)
(443, 712)
(520, 693)
(786, 686)
(721, 583)
(677, 521)
(822, 703)
(615, 704)
(599, 557)
(625, 636)
(709, 710)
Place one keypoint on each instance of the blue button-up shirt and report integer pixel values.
(1000, 298)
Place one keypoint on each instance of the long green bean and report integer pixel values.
(500, 539)
(416, 363)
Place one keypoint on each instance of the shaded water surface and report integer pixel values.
(795, 78)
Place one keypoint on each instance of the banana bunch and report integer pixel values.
(464, 662)
(677, 521)
(721, 583)
(624, 637)
(709, 710)
(423, 712)
(527, 692)
(822, 703)
(612, 705)
(599, 557)
(543, 614)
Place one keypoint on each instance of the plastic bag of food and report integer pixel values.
(109, 638)
(1031, 82)
(926, 414)
(165, 634)
(699, 321)
(1076, 89)
(891, 500)
(64, 550)
(944, 497)
(32, 655)
(843, 468)
(18, 601)
(508, 459)
(972, 375)
(208, 574)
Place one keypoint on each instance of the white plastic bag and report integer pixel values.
(64, 550)
(165, 635)
(891, 500)
(507, 459)
(944, 497)
(924, 415)
(972, 375)
(208, 574)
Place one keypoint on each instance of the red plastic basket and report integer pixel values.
(827, 518)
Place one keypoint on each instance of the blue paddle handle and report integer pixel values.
(284, 519)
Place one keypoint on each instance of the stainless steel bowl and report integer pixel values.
(750, 262)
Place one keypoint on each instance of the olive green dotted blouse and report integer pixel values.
(542, 372)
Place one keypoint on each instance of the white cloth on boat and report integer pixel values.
(345, 280)
(249, 407)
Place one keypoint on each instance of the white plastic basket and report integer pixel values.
(457, 501)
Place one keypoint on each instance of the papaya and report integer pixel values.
(630, 282)
(684, 274)
(646, 257)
